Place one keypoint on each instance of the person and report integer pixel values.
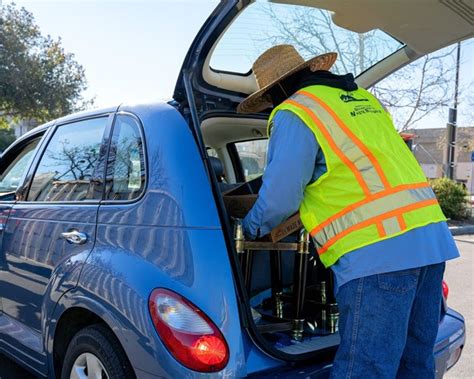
(335, 155)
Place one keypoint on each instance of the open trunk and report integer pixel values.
(286, 294)
(216, 75)
(290, 292)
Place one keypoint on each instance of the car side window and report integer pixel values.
(13, 173)
(125, 164)
(253, 157)
(66, 171)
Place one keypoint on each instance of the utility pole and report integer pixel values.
(452, 121)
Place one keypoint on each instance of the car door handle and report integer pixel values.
(74, 236)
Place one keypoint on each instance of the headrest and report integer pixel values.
(217, 166)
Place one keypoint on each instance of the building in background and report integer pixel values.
(430, 149)
(23, 126)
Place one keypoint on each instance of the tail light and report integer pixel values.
(445, 290)
(453, 358)
(189, 335)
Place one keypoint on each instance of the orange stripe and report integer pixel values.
(333, 145)
(401, 222)
(368, 199)
(381, 229)
(376, 219)
(352, 136)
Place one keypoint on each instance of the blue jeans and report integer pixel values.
(388, 324)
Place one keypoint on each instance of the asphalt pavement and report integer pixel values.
(460, 278)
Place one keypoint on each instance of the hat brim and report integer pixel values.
(259, 101)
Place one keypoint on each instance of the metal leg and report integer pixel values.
(299, 283)
(333, 316)
(247, 269)
(244, 249)
(245, 257)
(277, 283)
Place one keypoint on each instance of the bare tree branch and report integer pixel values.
(418, 98)
(410, 94)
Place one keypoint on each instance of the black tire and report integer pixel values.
(100, 341)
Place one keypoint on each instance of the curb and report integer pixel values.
(463, 229)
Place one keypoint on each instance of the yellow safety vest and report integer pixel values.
(374, 188)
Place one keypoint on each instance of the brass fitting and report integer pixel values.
(303, 242)
(297, 329)
(239, 237)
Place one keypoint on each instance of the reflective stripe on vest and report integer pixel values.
(343, 142)
(384, 209)
(383, 205)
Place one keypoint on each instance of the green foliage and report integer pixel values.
(38, 79)
(7, 136)
(452, 197)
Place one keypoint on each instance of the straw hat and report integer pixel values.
(274, 65)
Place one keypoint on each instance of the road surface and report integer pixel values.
(460, 278)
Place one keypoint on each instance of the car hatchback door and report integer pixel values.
(50, 233)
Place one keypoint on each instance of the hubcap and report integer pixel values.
(88, 366)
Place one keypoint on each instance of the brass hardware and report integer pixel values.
(323, 292)
(333, 319)
(279, 305)
(297, 330)
(303, 242)
(239, 236)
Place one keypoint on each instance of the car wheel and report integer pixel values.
(94, 352)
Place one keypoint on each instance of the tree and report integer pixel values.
(7, 136)
(410, 93)
(418, 89)
(38, 78)
(453, 198)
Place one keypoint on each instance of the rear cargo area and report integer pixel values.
(291, 293)
(274, 308)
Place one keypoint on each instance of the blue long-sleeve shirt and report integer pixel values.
(294, 160)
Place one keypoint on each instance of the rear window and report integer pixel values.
(253, 157)
(311, 30)
(126, 163)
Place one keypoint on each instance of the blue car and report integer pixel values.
(118, 255)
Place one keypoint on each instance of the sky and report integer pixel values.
(132, 51)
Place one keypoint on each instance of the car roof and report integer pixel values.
(68, 118)
(127, 107)
(86, 114)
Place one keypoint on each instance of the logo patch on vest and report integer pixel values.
(347, 97)
(364, 109)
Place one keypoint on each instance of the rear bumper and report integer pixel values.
(448, 348)
(450, 342)
(315, 371)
